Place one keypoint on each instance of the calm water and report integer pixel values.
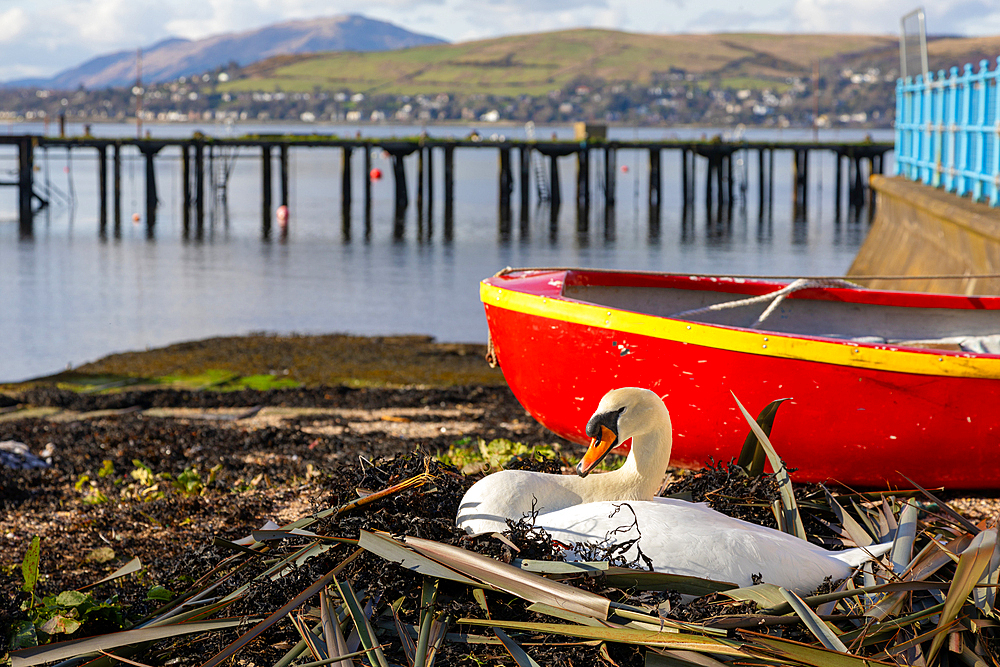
(68, 297)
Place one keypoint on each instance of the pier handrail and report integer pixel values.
(947, 131)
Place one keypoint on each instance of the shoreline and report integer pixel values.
(290, 360)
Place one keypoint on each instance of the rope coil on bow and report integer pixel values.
(775, 297)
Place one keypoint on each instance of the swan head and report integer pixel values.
(621, 414)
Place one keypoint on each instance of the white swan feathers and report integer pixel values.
(677, 536)
(621, 414)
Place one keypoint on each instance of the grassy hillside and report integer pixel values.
(537, 63)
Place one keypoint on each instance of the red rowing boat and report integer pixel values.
(880, 383)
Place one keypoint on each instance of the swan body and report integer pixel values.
(622, 413)
(691, 539)
(621, 506)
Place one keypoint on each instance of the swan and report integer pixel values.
(615, 508)
(622, 413)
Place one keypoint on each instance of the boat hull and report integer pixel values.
(858, 425)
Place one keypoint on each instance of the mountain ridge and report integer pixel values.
(174, 57)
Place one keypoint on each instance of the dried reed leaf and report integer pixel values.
(971, 565)
(961, 520)
(690, 642)
(331, 629)
(570, 616)
(671, 658)
(984, 595)
(479, 570)
(765, 595)
(128, 568)
(855, 530)
(428, 596)
(826, 636)
(793, 521)
(644, 580)
(372, 648)
(906, 535)
(405, 640)
(752, 454)
(520, 656)
(292, 604)
(786, 651)
(41, 654)
(316, 646)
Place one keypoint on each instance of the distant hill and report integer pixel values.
(173, 58)
(535, 64)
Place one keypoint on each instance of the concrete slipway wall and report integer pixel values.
(922, 231)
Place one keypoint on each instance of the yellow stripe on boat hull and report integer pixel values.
(873, 357)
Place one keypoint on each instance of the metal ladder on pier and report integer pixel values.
(541, 180)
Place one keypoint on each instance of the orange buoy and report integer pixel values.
(282, 215)
(135, 218)
(375, 174)
(624, 168)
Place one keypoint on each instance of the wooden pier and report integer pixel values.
(718, 188)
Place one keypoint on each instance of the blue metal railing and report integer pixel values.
(947, 131)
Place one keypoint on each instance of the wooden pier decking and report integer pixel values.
(718, 186)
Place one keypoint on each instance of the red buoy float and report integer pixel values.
(375, 174)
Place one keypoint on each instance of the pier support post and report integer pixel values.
(25, 185)
(186, 189)
(796, 202)
(449, 191)
(117, 178)
(399, 174)
(152, 199)
(654, 179)
(800, 183)
(838, 190)
(687, 181)
(555, 198)
(506, 184)
(610, 176)
(265, 175)
(729, 181)
(709, 173)
(525, 184)
(761, 174)
(805, 181)
(199, 188)
(345, 192)
(770, 180)
(102, 185)
(368, 190)
(420, 183)
(430, 189)
(720, 182)
(345, 178)
(583, 188)
(856, 182)
(283, 157)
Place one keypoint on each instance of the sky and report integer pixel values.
(44, 37)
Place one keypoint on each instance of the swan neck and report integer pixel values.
(642, 473)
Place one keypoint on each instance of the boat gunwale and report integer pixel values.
(524, 292)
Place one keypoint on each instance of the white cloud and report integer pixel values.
(12, 24)
(957, 17)
(42, 38)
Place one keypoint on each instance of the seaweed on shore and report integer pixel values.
(300, 590)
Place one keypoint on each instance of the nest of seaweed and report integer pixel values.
(317, 589)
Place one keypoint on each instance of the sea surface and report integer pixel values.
(68, 296)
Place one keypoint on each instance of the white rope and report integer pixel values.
(775, 297)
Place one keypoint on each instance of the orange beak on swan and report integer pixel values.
(599, 448)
